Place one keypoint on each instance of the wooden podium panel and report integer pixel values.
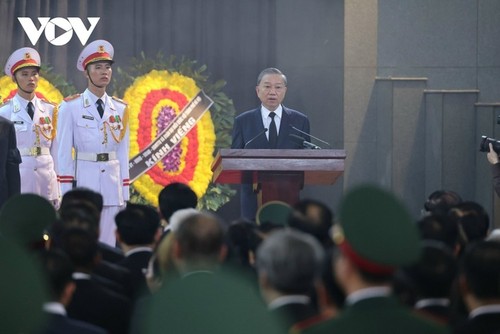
(278, 174)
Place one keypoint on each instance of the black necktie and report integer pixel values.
(100, 108)
(31, 109)
(273, 132)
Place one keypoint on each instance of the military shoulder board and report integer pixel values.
(49, 102)
(5, 103)
(119, 100)
(72, 97)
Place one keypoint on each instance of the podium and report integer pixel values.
(278, 174)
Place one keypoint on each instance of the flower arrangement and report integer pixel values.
(157, 89)
(154, 101)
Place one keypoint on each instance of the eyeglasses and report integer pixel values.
(277, 88)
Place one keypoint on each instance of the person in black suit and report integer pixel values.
(430, 281)
(10, 158)
(480, 288)
(137, 232)
(58, 270)
(79, 194)
(270, 126)
(92, 301)
(289, 263)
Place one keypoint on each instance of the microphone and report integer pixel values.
(305, 143)
(308, 134)
(257, 136)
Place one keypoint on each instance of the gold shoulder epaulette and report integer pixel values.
(5, 103)
(72, 97)
(119, 100)
(48, 102)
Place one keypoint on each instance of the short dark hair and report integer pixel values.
(270, 70)
(176, 196)
(83, 194)
(481, 268)
(472, 219)
(439, 228)
(58, 271)
(434, 272)
(137, 224)
(440, 201)
(302, 221)
(80, 246)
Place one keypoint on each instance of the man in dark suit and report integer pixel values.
(137, 232)
(269, 126)
(10, 158)
(58, 270)
(92, 301)
(480, 289)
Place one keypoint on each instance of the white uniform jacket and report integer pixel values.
(101, 162)
(36, 145)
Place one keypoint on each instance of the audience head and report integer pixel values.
(472, 221)
(243, 240)
(199, 243)
(58, 271)
(78, 214)
(81, 247)
(434, 272)
(137, 225)
(83, 194)
(480, 273)
(312, 217)
(440, 229)
(289, 262)
(176, 196)
(440, 201)
(179, 216)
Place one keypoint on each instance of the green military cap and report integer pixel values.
(25, 217)
(274, 212)
(376, 231)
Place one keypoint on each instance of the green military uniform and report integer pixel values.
(377, 235)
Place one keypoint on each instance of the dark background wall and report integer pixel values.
(406, 87)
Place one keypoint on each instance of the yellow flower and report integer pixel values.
(147, 96)
(45, 88)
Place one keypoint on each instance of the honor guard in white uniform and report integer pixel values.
(35, 122)
(93, 138)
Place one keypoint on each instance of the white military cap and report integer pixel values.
(99, 50)
(23, 57)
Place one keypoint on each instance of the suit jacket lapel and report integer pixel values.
(284, 131)
(260, 128)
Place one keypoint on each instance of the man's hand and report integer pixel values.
(492, 155)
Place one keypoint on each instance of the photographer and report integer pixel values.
(495, 168)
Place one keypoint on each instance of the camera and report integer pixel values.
(485, 141)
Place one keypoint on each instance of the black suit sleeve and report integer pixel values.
(13, 161)
(237, 135)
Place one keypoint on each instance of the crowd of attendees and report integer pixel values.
(177, 269)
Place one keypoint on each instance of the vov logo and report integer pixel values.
(67, 25)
